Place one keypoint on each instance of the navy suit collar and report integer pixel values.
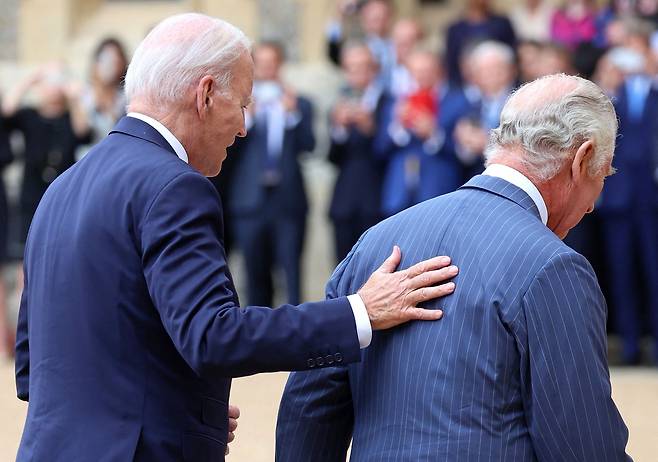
(140, 129)
(504, 189)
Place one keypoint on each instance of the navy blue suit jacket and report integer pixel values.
(129, 328)
(247, 195)
(515, 371)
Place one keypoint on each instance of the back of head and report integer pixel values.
(178, 52)
(545, 120)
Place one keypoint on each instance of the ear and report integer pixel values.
(205, 92)
(581, 161)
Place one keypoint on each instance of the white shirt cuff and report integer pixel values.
(361, 319)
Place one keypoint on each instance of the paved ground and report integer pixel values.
(635, 391)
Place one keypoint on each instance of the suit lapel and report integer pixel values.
(140, 129)
(504, 189)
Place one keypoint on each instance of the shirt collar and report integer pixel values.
(520, 180)
(166, 134)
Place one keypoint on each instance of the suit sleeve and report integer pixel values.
(23, 348)
(564, 371)
(185, 269)
(316, 415)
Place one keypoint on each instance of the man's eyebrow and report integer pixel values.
(249, 100)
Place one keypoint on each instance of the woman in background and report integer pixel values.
(103, 100)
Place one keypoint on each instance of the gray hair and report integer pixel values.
(178, 52)
(549, 119)
(489, 47)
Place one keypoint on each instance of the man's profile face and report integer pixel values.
(226, 118)
(581, 200)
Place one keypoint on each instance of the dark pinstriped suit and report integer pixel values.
(515, 371)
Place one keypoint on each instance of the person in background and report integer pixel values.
(554, 59)
(574, 23)
(267, 199)
(637, 36)
(492, 72)
(629, 204)
(375, 18)
(103, 100)
(606, 29)
(6, 333)
(478, 23)
(531, 20)
(529, 60)
(354, 118)
(412, 140)
(406, 36)
(52, 131)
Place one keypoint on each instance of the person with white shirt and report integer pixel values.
(130, 328)
(517, 368)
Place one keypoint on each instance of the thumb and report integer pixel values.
(392, 262)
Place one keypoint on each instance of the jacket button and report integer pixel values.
(338, 357)
(311, 362)
(319, 361)
(329, 359)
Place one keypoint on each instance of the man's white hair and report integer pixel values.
(491, 47)
(549, 119)
(178, 52)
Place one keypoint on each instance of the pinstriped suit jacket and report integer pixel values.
(515, 371)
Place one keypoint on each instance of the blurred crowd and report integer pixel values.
(409, 124)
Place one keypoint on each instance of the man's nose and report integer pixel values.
(242, 132)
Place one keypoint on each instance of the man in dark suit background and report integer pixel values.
(517, 369)
(629, 205)
(354, 118)
(267, 200)
(130, 327)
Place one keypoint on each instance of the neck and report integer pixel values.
(175, 118)
(554, 192)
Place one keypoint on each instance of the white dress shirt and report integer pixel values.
(361, 319)
(520, 180)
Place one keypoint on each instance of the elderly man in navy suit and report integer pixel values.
(517, 369)
(130, 327)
